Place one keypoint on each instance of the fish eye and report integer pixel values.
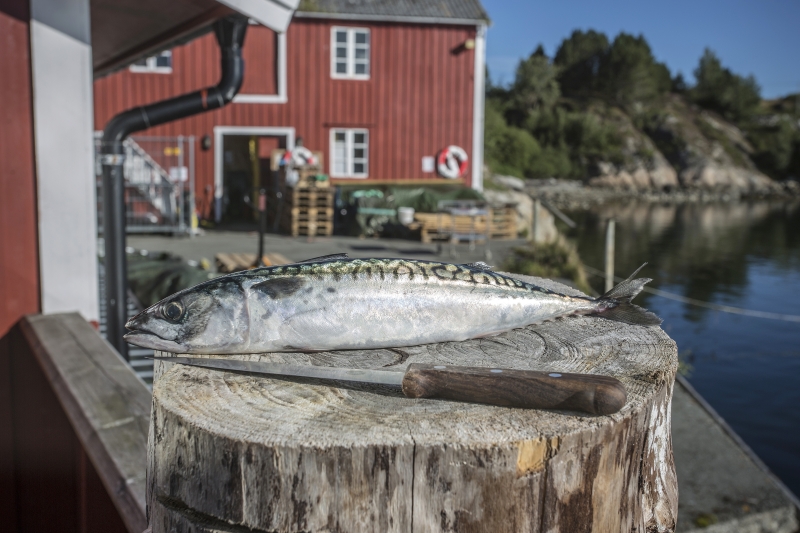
(172, 311)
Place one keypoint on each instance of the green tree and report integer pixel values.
(535, 86)
(578, 58)
(629, 73)
(777, 148)
(734, 97)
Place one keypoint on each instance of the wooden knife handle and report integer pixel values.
(599, 395)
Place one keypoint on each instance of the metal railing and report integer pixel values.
(159, 184)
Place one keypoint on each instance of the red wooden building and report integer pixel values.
(378, 87)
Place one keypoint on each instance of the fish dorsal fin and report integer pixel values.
(480, 265)
(331, 257)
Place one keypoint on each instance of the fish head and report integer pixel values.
(210, 318)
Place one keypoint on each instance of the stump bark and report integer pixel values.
(235, 453)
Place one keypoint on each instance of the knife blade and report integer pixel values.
(505, 387)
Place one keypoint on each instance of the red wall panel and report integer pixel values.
(418, 99)
(19, 273)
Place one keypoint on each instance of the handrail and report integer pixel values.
(107, 406)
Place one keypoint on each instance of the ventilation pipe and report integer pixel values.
(230, 36)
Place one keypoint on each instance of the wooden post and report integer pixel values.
(610, 255)
(231, 452)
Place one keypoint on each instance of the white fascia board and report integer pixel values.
(61, 65)
(274, 14)
(388, 18)
(478, 108)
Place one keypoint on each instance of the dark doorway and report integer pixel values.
(246, 168)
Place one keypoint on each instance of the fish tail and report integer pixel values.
(616, 303)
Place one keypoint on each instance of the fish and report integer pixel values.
(338, 303)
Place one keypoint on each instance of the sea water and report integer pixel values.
(741, 254)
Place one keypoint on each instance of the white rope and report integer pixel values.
(707, 305)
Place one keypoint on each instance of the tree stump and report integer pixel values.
(231, 452)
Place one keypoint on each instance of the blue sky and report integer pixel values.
(759, 37)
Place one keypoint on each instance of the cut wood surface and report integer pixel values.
(235, 452)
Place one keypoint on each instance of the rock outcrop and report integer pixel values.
(682, 146)
(707, 152)
(645, 168)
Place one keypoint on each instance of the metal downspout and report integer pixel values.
(230, 34)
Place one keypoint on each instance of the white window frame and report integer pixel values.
(281, 97)
(152, 64)
(349, 148)
(350, 60)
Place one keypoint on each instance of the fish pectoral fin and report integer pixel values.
(331, 257)
(277, 288)
(480, 265)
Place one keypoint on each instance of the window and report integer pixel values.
(349, 153)
(350, 53)
(161, 63)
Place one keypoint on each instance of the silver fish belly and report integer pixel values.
(349, 304)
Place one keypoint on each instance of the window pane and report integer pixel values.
(141, 62)
(339, 153)
(362, 37)
(341, 51)
(358, 168)
(361, 68)
(164, 60)
(359, 138)
(341, 68)
(358, 153)
(341, 36)
(361, 53)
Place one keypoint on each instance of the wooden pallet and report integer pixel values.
(440, 226)
(231, 262)
(310, 228)
(504, 224)
(309, 197)
(309, 212)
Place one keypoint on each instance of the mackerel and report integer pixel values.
(338, 303)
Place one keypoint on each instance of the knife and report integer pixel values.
(589, 393)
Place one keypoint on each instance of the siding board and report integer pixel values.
(19, 282)
(417, 101)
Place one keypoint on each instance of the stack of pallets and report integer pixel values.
(504, 223)
(308, 211)
(307, 207)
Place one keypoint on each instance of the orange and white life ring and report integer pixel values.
(452, 162)
(300, 156)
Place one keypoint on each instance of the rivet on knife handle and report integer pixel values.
(600, 395)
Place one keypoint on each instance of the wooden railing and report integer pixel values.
(74, 420)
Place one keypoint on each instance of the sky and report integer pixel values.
(758, 37)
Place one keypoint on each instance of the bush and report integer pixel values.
(509, 150)
(777, 148)
(558, 259)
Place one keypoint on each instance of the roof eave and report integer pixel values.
(392, 18)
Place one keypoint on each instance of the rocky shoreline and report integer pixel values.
(567, 194)
(573, 194)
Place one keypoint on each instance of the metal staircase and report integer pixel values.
(157, 200)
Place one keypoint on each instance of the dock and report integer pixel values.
(723, 486)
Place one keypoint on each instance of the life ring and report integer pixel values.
(452, 162)
(300, 156)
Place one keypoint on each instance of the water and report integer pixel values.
(743, 255)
